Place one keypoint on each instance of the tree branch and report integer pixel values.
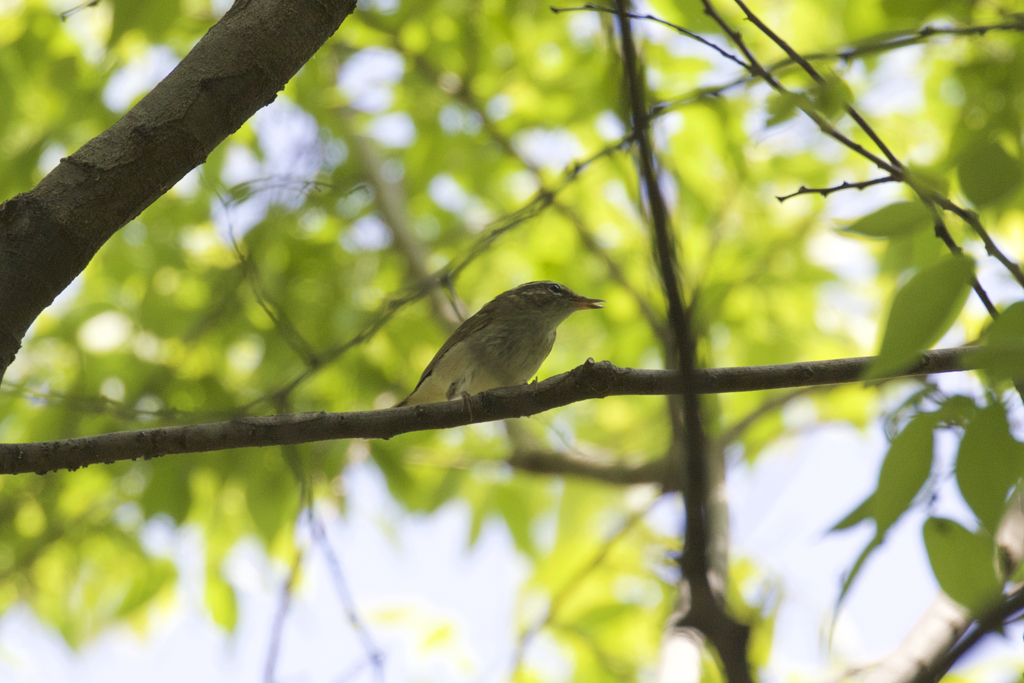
(52, 232)
(826, 191)
(943, 633)
(590, 380)
(662, 472)
(706, 609)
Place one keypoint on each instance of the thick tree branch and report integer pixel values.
(943, 633)
(990, 622)
(590, 380)
(50, 233)
(706, 611)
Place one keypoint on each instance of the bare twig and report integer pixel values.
(942, 232)
(650, 17)
(374, 654)
(893, 165)
(757, 70)
(971, 218)
(906, 39)
(277, 630)
(819, 79)
(66, 14)
(826, 191)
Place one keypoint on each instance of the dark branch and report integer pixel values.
(818, 78)
(658, 20)
(590, 380)
(705, 613)
(661, 472)
(919, 36)
(826, 191)
(237, 68)
(993, 620)
(277, 630)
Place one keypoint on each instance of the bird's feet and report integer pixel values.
(466, 404)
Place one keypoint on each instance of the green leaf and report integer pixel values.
(859, 514)
(144, 587)
(832, 96)
(910, 9)
(171, 492)
(963, 563)
(152, 18)
(782, 107)
(270, 495)
(923, 310)
(852, 574)
(221, 600)
(987, 173)
(929, 177)
(901, 218)
(990, 463)
(1002, 356)
(1009, 326)
(904, 471)
(915, 250)
(956, 410)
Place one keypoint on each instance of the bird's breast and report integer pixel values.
(513, 356)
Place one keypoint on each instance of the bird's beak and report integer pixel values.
(583, 303)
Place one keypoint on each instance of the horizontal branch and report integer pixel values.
(590, 380)
(660, 472)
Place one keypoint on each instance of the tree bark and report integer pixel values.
(50, 233)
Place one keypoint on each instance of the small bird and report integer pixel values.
(502, 345)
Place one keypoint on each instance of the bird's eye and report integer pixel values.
(557, 289)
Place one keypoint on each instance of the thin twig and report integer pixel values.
(826, 191)
(77, 8)
(277, 630)
(942, 232)
(374, 654)
(757, 70)
(971, 218)
(650, 17)
(893, 166)
(906, 39)
(993, 620)
(820, 80)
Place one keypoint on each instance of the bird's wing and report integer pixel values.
(469, 326)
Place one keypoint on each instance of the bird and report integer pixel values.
(503, 344)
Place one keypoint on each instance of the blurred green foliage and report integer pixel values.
(266, 280)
